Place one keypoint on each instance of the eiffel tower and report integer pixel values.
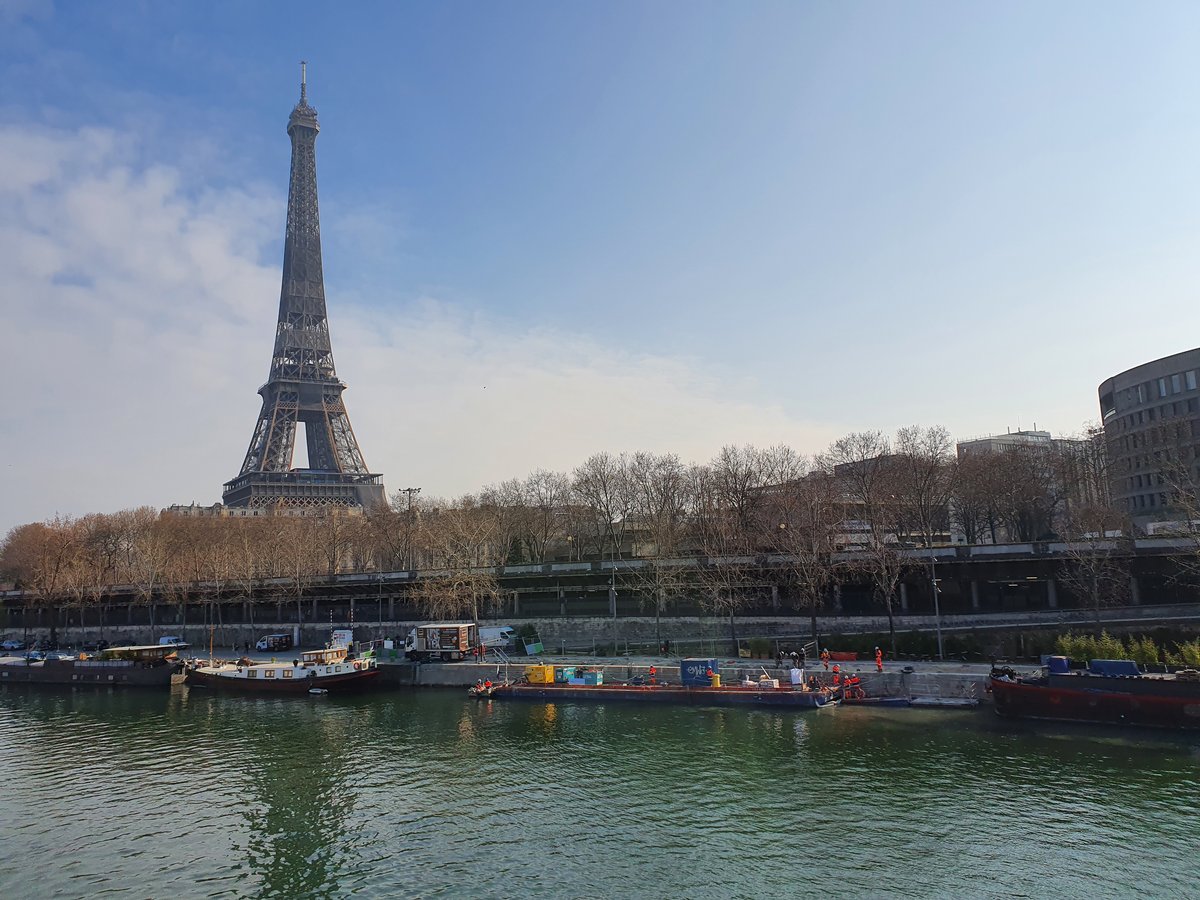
(303, 386)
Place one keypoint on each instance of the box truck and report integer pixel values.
(442, 640)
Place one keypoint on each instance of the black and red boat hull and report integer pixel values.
(342, 683)
(1107, 701)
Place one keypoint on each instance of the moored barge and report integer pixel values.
(139, 666)
(329, 670)
(662, 693)
(1109, 692)
(701, 686)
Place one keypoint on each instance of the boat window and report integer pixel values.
(250, 673)
(269, 673)
(287, 673)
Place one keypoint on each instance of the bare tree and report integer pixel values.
(146, 545)
(547, 495)
(661, 504)
(513, 519)
(922, 475)
(1030, 491)
(461, 539)
(601, 486)
(862, 463)
(39, 557)
(808, 510)
(1096, 565)
(729, 497)
(974, 509)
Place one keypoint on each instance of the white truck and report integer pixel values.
(442, 640)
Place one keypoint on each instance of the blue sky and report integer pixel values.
(552, 229)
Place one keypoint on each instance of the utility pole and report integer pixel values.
(411, 492)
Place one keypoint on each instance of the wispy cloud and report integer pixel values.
(140, 307)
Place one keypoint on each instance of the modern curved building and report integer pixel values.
(1151, 417)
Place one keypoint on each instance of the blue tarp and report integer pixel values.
(1113, 667)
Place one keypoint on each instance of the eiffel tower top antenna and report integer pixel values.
(303, 81)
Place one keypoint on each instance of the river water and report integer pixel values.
(190, 794)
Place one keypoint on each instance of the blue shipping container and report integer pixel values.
(563, 674)
(593, 678)
(694, 672)
(1058, 664)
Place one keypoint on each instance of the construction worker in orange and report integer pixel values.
(709, 674)
(837, 674)
(653, 675)
(825, 659)
(878, 660)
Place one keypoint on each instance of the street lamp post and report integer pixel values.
(937, 612)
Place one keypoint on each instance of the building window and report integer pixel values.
(1176, 384)
(1162, 387)
(1152, 413)
(1190, 376)
(1141, 393)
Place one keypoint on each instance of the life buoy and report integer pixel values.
(357, 665)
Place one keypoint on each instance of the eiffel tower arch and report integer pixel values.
(303, 386)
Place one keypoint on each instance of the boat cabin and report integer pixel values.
(149, 653)
(326, 657)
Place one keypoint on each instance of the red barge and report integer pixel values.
(1109, 692)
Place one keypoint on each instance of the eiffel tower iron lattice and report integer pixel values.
(303, 386)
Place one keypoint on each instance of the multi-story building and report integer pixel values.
(1031, 486)
(1151, 416)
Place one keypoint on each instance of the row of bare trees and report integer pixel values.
(747, 511)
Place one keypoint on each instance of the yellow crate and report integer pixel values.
(540, 674)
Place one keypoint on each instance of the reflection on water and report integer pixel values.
(149, 794)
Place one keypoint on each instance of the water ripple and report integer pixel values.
(429, 795)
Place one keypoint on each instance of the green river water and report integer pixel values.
(190, 794)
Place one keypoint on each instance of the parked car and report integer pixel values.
(12, 645)
(170, 639)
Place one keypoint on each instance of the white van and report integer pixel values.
(269, 643)
(170, 639)
(503, 636)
